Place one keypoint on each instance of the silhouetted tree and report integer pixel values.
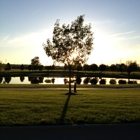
(40, 67)
(30, 67)
(49, 67)
(122, 67)
(65, 67)
(102, 67)
(86, 67)
(35, 62)
(113, 67)
(70, 44)
(79, 67)
(53, 67)
(22, 67)
(1, 65)
(131, 66)
(8, 67)
(93, 67)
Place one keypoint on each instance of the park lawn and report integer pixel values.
(23, 107)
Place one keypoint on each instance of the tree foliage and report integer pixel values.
(70, 43)
(94, 67)
(102, 67)
(86, 67)
(122, 67)
(131, 66)
(1, 65)
(113, 67)
(22, 67)
(35, 63)
(8, 67)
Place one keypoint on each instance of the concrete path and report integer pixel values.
(69, 132)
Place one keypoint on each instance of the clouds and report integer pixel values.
(37, 11)
(123, 33)
(24, 47)
(6, 37)
(115, 25)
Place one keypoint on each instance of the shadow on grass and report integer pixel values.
(65, 108)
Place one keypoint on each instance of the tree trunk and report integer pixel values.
(70, 79)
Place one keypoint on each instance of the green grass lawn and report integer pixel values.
(20, 107)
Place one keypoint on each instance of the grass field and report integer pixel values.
(54, 107)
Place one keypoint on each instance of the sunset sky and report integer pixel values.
(26, 24)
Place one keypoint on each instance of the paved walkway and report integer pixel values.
(68, 132)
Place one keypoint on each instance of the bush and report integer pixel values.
(103, 81)
(94, 80)
(122, 81)
(112, 81)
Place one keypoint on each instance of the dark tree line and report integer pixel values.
(129, 67)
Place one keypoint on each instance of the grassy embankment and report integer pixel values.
(54, 107)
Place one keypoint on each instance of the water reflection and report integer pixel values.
(1, 79)
(7, 79)
(62, 80)
(22, 78)
(48, 80)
